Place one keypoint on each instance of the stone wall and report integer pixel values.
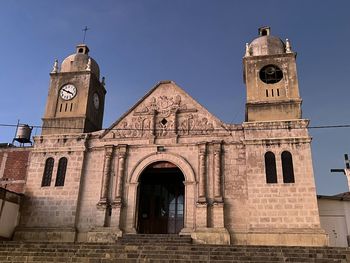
(52, 208)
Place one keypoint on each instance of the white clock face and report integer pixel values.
(96, 100)
(68, 92)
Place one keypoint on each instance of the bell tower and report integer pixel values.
(75, 102)
(270, 76)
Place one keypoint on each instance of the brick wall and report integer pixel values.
(13, 168)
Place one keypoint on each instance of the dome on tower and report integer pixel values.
(80, 61)
(266, 44)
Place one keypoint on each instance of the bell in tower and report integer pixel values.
(270, 76)
(76, 96)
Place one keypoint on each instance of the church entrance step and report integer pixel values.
(11, 251)
(155, 239)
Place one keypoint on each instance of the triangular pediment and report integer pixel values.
(166, 110)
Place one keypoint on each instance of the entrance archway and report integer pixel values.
(161, 199)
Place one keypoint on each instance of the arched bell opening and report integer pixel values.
(161, 199)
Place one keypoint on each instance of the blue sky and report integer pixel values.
(197, 43)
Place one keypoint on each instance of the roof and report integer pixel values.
(341, 197)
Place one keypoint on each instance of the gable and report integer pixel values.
(166, 110)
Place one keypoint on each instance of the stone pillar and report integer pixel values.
(218, 205)
(217, 173)
(131, 209)
(103, 203)
(202, 170)
(190, 201)
(202, 206)
(118, 193)
(120, 174)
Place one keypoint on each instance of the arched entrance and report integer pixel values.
(161, 199)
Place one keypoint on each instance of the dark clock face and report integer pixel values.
(270, 74)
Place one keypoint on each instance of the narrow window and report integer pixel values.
(270, 168)
(272, 93)
(66, 107)
(61, 107)
(267, 93)
(71, 106)
(278, 92)
(61, 171)
(287, 167)
(46, 181)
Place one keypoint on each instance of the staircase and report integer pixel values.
(163, 248)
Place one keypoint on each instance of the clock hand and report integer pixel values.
(68, 91)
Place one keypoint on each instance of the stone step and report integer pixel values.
(90, 253)
(155, 239)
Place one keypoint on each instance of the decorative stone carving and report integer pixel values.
(164, 127)
(55, 67)
(163, 116)
(88, 65)
(195, 125)
(288, 46)
(138, 127)
(164, 105)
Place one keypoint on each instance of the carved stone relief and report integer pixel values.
(163, 105)
(193, 124)
(137, 127)
(163, 116)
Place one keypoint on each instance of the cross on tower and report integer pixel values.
(345, 171)
(85, 29)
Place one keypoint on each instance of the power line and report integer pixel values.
(240, 127)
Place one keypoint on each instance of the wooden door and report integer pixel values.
(161, 202)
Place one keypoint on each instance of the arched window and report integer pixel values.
(270, 168)
(61, 171)
(47, 172)
(287, 167)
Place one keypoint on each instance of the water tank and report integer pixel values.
(23, 133)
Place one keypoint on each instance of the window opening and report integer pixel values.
(61, 107)
(278, 92)
(287, 167)
(267, 93)
(61, 171)
(270, 168)
(46, 181)
(71, 106)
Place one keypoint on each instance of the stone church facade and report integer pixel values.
(169, 166)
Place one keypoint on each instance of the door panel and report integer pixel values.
(161, 201)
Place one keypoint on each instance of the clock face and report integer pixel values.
(96, 100)
(271, 74)
(68, 92)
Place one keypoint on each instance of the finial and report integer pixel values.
(247, 53)
(288, 47)
(55, 67)
(88, 65)
(103, 81)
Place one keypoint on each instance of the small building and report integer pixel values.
(9, 212)
(335, 218)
